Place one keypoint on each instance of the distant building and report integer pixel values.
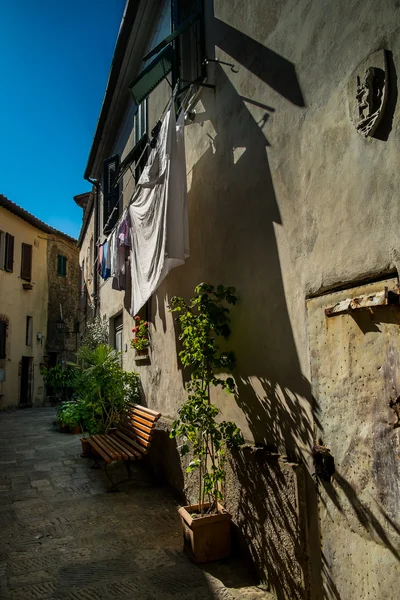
(39, 279)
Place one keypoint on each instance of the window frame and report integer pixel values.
(3, 339)
(9, 254)
(59, 263)
(29, 331)
(26, 261)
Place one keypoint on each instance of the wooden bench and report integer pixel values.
(129, 441)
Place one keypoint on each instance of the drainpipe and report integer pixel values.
(96, 298)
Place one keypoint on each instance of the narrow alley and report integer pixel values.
(64, 537)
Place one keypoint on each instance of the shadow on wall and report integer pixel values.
(232, 211)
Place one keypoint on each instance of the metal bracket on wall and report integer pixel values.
(383, 298)
(221, 62)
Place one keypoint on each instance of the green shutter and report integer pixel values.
(61, 265)
(152, 75)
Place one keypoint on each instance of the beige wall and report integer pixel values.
(87, 272)
(286, 199)
(16, 304)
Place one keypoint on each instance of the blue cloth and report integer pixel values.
(105, 271)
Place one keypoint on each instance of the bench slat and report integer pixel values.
(130, 433)
(151, 417)
(134, 423)
(144, 432)
(139, 420)
(132, 454)
(102, 441)
(149, 411)
(122, 451)
(99, 450)
(132, 443)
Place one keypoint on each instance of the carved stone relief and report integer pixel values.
(368, 89)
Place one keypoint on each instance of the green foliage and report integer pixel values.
(60, 381)
(104, 389)
(71, 414)
(141, 332)
(202, 322)
(95, 390)
(96, 333)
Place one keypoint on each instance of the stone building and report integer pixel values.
(292, 144)
(39, 279)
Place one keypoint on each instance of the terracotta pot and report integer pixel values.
(86, 447)
(142, 354)
(206, 538)
(76, 429)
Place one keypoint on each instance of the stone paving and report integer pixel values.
(62, 537)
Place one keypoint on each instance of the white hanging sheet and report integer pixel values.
(159, 216)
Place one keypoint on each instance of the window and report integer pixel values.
(182, 51)
(9, 253)
(29, 330)
(110, 193)
(26, 262)
(118, 331)
(3, 336)
(189, 55)
(61, 265)
(2, 249)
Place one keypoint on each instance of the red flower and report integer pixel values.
(146, 323)
(133, 330)
(137, 318)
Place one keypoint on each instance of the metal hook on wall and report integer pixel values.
(221, 62)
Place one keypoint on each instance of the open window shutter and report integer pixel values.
(185, 10)
(3, 333)
(189, 46)
(26, 262)
(9, 258)
(110, 193)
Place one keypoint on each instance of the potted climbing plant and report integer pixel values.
(141, 342)
(203, 321)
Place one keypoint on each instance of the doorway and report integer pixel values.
(26, 382)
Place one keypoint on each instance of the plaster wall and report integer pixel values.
(16, 304)
(87, 270)
(286, 199)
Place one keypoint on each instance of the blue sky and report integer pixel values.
(55, 57)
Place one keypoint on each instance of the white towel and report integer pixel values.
(159, 218)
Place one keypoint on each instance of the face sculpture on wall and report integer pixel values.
(368, 93)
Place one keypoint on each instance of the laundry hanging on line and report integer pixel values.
(158, 213)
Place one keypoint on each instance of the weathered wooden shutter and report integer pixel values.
(182, 10)
(9, 254)
(26, 262)
(61, 265)
(3, 335)
(189, 47)
(110, 193)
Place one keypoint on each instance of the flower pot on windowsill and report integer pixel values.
(206, 538)
(142, 354)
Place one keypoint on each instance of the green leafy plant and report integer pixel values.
(71, 414)
(141, 332)
(104, 389)
(203, 321)
(60, 381)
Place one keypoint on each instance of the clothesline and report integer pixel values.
(167, 106)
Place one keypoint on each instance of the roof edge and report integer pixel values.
(128, 19)
(31, 219)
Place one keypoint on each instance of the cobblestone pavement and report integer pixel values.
(63, 537)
